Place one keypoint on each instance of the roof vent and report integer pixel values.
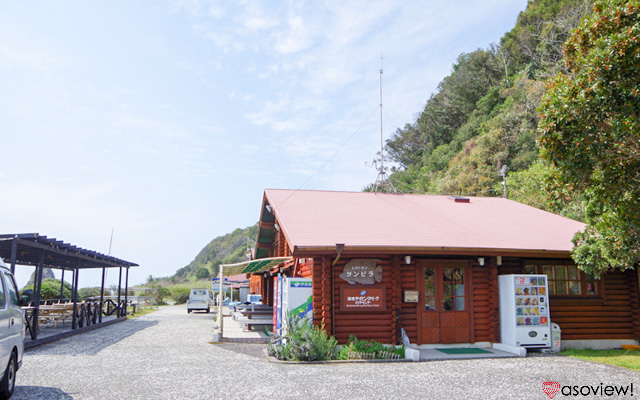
(459, 199)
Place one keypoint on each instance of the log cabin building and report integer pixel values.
(433, 264)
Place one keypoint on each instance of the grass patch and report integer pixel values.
(143, 311)
(622, 358)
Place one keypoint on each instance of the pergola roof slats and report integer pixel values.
(59, 253)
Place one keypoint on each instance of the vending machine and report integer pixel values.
(524, 310)
(297, 296)
(294, 297)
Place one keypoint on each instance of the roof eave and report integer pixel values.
(310, 251)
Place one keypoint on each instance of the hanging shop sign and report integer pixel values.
(363, 298)
(362, 271)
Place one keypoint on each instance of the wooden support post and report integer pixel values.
(119, 310)
(220, 300)
(37, 285)
(74, 296)
(14, 254)
(126, 291)
(61, 286)
(104, 271)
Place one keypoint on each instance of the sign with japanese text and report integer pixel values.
(362, 271)
(363, 298)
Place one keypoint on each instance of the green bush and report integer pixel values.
(203, 273)
(180, 294)
(302, 342)
(85, 293)
(50, 289)
(366, 346)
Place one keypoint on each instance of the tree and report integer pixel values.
(159, 293)
(50, 289)
(88, 292)
(202, 273)
(180, 294)
(590, 131)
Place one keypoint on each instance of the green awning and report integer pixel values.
(259, 265)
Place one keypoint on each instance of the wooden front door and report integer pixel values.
(444, 303)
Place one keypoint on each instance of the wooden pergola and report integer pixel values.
(43, 252)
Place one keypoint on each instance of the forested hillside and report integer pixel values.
(228, 249)
(483, 116)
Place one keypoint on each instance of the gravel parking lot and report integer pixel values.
(168, 355)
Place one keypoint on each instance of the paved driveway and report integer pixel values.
(167, 355)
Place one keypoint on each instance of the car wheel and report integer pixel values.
(8, 383)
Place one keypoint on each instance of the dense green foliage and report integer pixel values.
(228, 249)
(180, 294)
(85, 293)
(367, 346)
(484, 117)
(302, 342)
(565, 79)
(46, 274)
(590, 130)
(50, 289)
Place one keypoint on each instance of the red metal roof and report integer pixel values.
(317, 220)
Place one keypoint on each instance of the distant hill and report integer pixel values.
(228, 249)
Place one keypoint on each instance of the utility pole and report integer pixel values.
(503, 173)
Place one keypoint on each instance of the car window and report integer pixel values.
(13, 291)
(3, 301)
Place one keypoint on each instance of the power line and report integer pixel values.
(330, 157)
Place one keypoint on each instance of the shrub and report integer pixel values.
(180, 294)
(302, 342)
(50, 289)
(202, 273)
(364, 346)
(85, 293)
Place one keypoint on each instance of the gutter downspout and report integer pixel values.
(339, 248)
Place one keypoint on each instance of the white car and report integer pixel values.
(11, 332)
(199, 299)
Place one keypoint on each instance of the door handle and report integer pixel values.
(11, 321)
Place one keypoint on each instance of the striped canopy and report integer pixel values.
(260, 265)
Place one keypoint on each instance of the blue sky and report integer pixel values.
(166, 120)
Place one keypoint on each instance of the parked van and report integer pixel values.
(11, 332)
(199, 299)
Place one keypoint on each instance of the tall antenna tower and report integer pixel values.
(383, 183)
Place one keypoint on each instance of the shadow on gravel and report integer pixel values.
(92, 343)
(40, 393)
(249, 349)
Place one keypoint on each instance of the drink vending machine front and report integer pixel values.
(524, 310)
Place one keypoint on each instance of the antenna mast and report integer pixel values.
(382, 181)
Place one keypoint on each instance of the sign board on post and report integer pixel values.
(363, 298)
(362, 271)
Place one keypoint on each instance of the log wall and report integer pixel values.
(409, 311)
(613, 314)
(366, 325)
(482, 301)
